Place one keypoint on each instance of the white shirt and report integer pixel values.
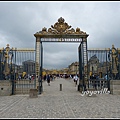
(76, 77)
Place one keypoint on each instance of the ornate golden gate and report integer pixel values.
(61, 32)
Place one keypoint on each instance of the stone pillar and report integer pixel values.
(37, 60)
(115, 87)
(5, 88)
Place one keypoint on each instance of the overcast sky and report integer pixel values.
(19, 21)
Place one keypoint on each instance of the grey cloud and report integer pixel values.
(63, 54)
(21, 20)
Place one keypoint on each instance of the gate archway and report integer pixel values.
(61, 32)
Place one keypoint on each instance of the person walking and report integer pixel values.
(75, 79)
(48, 79)
(44, 77)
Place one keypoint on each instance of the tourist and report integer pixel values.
(75, 78)
(48, 79)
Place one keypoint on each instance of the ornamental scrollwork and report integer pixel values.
(60, 27)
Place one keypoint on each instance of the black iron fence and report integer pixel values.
(103, 65)
(99, 84)
(19, 68)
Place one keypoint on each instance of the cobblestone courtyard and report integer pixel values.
(53, 103)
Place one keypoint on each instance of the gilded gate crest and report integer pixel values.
(61, 27)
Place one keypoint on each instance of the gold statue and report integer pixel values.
(114, 60)
(7, 59)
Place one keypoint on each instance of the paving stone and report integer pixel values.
(53, 103)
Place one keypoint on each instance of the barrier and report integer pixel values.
(33, 93)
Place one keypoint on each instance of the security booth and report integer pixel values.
(61, 32)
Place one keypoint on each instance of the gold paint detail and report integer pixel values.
(61, 27)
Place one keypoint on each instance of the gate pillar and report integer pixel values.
(85, 57)
(37, 61)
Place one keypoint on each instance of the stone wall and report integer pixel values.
(5, 88)
(115, 87)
